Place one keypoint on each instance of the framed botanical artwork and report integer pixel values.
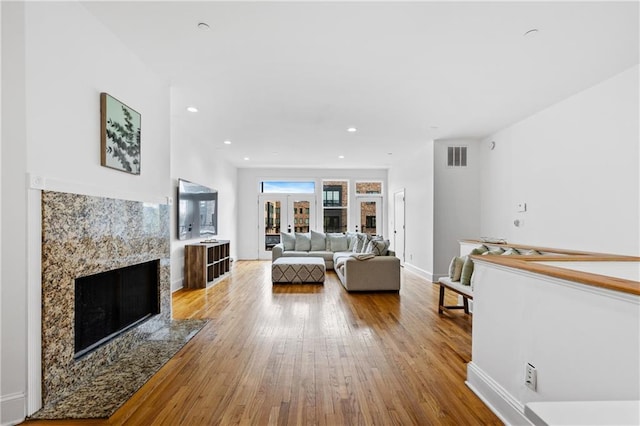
(119, 135)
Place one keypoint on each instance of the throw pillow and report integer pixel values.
(350, 240)
(387, 246)
(494, 251)
(455, 268)
(379, 248)
(360, 243)
(531, 252)
(303, 241)
(480, 250)
(318, 241)
(288, 241)
(510, 251)
(337, 242)
(328, 237)
(467, 271)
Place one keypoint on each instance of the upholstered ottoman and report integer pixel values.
(298, 270)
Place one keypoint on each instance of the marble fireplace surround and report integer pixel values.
(84, 235)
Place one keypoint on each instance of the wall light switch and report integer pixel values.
(521, 207)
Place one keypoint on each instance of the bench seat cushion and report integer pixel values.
(455, 285)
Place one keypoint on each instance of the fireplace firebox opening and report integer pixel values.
(109, 303)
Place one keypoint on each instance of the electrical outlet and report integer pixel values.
(531, 377)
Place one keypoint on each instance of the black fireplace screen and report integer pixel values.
(109, 303)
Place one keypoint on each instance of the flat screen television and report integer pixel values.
(197, 211)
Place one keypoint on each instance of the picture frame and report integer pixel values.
(120, 135)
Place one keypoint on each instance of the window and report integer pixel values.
(363, 188)
(331, 196)
(335, 205)
(457, 156)
(285, 187)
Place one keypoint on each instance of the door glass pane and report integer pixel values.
(368, 215)
(335, 220)
(271, 224)
(301, 216)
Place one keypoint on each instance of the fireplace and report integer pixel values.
(87, 237)
(109, 303)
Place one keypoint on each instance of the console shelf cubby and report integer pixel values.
(205, 263)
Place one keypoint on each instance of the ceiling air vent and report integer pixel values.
(457, 156)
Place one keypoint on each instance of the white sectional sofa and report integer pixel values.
(347, 254)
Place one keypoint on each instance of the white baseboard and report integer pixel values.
(177, 285)
(12, 408)
(508, 409)
(420, 272)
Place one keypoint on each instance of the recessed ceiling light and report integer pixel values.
(531, 32)
(203, 26)
(246, 158)
(341, 156)
(352, 130)
(227, 142)
(192, 109)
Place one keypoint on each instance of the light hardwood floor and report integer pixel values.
(311, 354)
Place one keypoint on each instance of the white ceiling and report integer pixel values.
(284, 80)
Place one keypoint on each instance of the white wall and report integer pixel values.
(456, 202)
(564, 329)
(193, 157)
(414, 172)
(248, 185)
(14, 157)
(576, 166)
(56, 61)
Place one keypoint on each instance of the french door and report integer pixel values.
(369, 215)
(283, 213)
(398, 225)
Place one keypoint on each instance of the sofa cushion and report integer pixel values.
(339, 255)
(455, 268)
(303, 241)
(288, 241)
(326, 255)
(318, 241)
(337, 242)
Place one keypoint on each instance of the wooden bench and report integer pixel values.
(455, 286)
